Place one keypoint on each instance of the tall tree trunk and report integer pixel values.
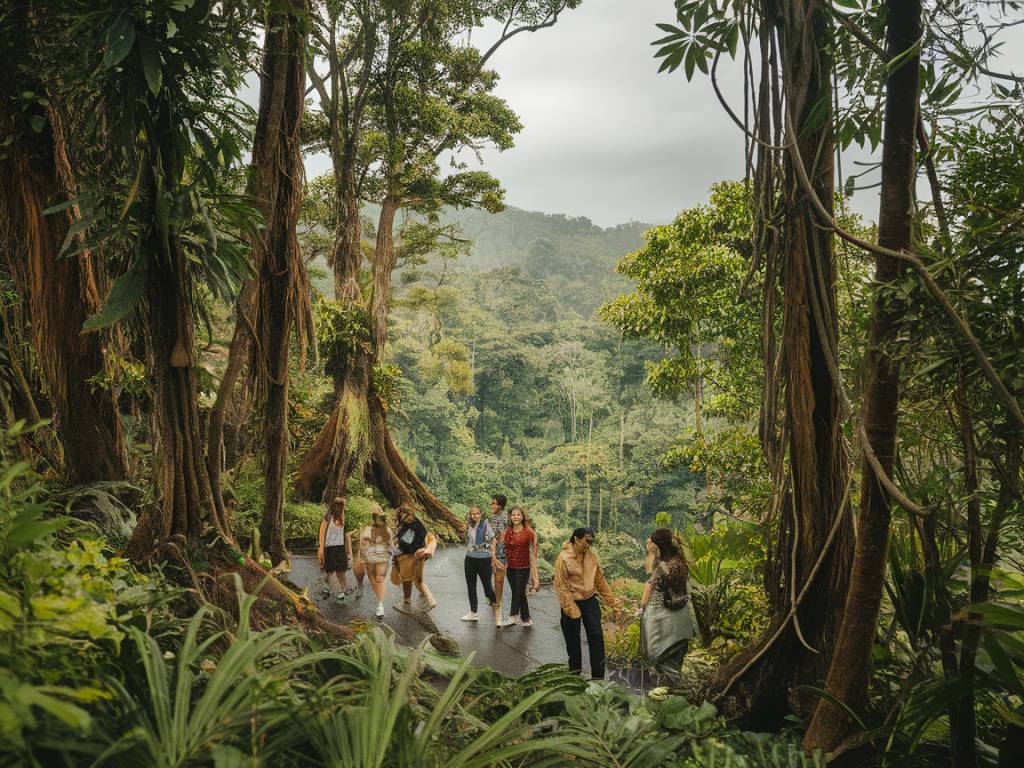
(963, 725)
(356, 440)
(698, 396)
(383, 264)
(850, 670)
(238, 355)
(61, 293)
(282, 285)
(808, 563)
(357, 433)
(983, 550)
(185, 503)
(347, 253)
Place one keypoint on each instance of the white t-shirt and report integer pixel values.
(335, 534)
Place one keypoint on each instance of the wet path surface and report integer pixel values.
(509, 650)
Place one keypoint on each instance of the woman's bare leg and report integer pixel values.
(377, 579)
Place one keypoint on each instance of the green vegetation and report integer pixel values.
(103, 668)
(200, 347)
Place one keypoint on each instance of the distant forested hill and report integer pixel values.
(509, 383)
(572, 254)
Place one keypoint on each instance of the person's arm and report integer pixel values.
(648, 589)
(320, 543)
(569, 607)
(604, 590)
(429, 546)
(499, 567)
(534, 576)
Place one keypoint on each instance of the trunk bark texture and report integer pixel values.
(850, 670)
(185, 502)
(282, 289)
(809, 561)
(61, 294)
(356, 440)
(238, 355)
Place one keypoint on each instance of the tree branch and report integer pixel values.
(1011, 405)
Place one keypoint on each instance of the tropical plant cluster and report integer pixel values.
(102, 664)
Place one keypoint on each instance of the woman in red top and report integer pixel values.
(520, 555)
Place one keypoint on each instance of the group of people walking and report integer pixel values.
(406, 549)
(503, 547)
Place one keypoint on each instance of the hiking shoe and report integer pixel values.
(527, 623)
(471, 616)
(325, 591)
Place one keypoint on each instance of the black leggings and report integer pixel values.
(518, 578)
(590, 617)
(478, 567)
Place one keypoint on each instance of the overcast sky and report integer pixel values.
(607, 137)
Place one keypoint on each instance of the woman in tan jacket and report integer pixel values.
(578, 580)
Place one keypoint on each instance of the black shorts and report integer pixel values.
(335, 559)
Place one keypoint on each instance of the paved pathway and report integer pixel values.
(509, 650)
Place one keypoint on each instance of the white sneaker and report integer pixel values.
(527, 623)
(471, 616)
(340, 597)
(359, 592)
(426, 605)
(325, 591)
(511, 621)
(380, 611)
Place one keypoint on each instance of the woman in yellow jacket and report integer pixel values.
(578, 581)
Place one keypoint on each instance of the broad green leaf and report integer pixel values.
(120, 39)
(733, 39)
(152, 66)
(59, 207)
(23, 535)
(124, 295)
(1005, 616)
(68, 713)
(1003, 664)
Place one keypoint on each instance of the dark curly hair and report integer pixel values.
(671, 554)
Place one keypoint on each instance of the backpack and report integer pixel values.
(672, 601)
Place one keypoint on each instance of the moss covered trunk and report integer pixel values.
(356, 440)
